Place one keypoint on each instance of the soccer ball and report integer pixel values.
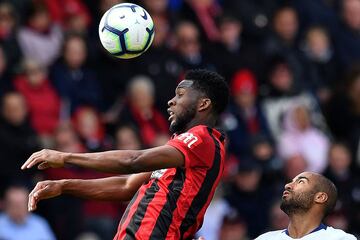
(126, 30)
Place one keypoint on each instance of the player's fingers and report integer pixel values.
(31, 159)
(36, 195)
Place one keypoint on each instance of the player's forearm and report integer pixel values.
(113, 188)
(119, 161)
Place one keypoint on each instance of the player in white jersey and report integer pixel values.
(307, 199)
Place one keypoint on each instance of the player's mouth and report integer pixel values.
(285, 193)
(172, 115)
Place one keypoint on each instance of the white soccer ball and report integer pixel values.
(126, 30)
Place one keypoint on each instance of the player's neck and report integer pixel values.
(302, 224)
(209, 121)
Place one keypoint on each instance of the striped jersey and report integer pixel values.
(322, 232)
(173, 203)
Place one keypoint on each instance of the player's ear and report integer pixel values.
(321, 197)
(204, 103)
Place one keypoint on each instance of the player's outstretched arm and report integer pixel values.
(117, 161)
(111, 188)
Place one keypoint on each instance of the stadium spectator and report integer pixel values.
(40, 39)
(323, 67)
(127, 137)
(189, 47)
(204, 15)
(347, 34)
(249, 197)
(76, 84)
(140, 110)
(232, 51)
(348, 183)
(283, 40)
(8, 40)
(244, 118)
(41, 98)
(17, 223)
(73, 15)
(90, 129)
(17, 139)
(255, 16)
(299, 138)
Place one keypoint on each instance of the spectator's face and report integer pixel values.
(351, 13)
(35, 74)
(317, 41)
(156, 6)
(126, 138)
(248, 181)
(339, 159)
(16, 204)
(188, 40)
(7, 20)
(41, 21)
(286, 24)
(301, 118)
(142, 96)
(66, 139)
(299, 194)
(281, 78)
(14, 109)
(263, 151)
(230, 32)
(162, 30)
(75, 52)
(233, 231)
(245, 99)
(87, 123)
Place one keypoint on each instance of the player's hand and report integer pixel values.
(44, 190)
(46, 158)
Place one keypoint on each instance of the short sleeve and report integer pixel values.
(197, 147)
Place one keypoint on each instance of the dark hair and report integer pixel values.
(212, 85)
(327, 186)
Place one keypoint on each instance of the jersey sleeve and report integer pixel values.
(197, 147)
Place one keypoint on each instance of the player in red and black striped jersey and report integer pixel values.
(171, 185)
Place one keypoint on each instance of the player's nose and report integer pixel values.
(171, 102)
(288, 186)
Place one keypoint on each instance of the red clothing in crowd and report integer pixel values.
(43, 104)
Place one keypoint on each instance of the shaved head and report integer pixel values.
(325, 185)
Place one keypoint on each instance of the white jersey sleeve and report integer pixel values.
(328, 233)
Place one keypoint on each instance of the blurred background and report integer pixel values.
(294, 72)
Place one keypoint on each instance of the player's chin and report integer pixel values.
(173, 126)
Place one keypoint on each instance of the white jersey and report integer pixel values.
(320, 233)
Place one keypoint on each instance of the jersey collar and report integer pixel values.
(320, 227)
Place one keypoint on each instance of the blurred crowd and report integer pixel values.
(293, 68)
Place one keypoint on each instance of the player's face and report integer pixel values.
(299, 194)
(182, 107)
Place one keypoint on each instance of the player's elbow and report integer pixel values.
(135, 162)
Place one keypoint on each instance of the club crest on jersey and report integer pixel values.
(157, 174)
(188, 138)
